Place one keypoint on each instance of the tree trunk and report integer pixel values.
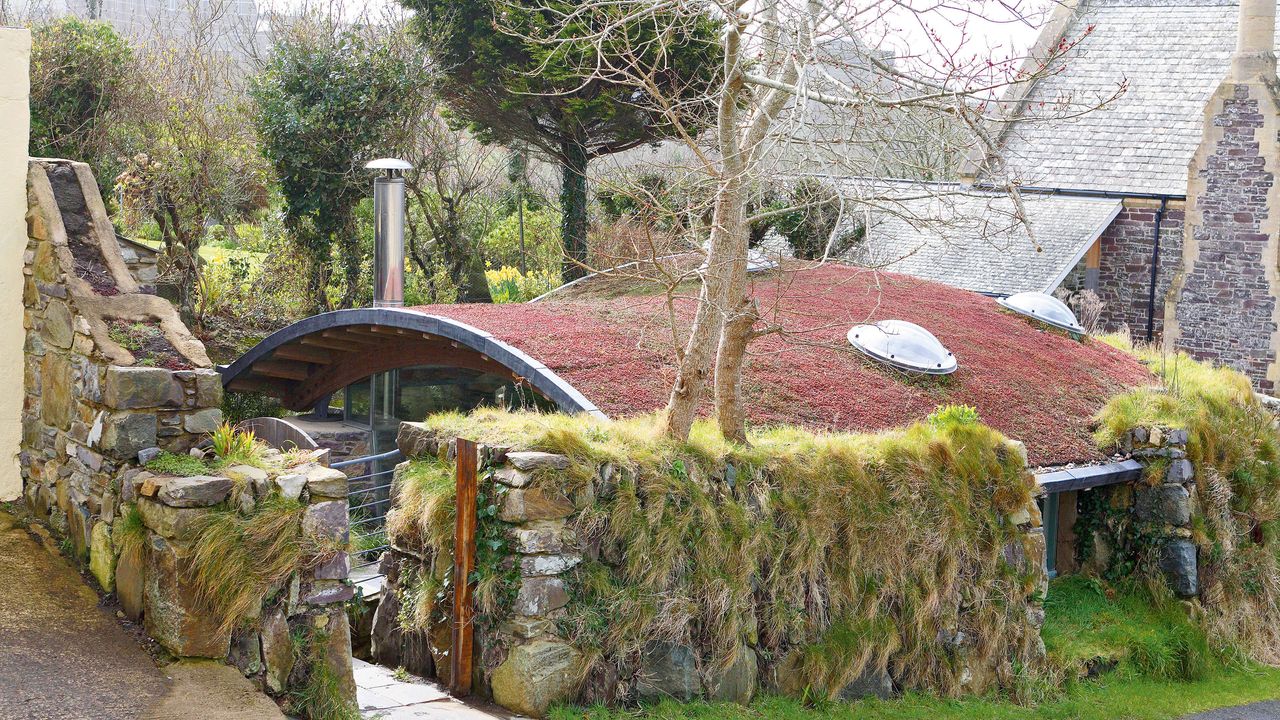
(728, 224)
(730, 357)
(573, 209)
(318, 278)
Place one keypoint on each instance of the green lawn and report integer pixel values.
(1163, 670)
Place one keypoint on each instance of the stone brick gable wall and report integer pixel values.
(1222, 306)
(95, 410)
(1124, 268)
(90, 405)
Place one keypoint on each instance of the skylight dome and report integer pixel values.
(904, 345)
(756, 262)
(1045, 308)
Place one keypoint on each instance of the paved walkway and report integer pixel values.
(65, 658)
(1269, 710)
(383, 697)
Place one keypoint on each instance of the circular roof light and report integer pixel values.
(1045, 308)
(756, 262)
(904, 345)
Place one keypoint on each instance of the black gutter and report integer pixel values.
(1155, 270)
(1082, 192)
(1090, 476)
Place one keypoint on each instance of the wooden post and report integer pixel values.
(464, 561)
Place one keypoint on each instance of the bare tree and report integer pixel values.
(452, 186)
(858, 88)
(191, 155)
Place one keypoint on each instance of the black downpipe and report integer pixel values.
(1155, 270)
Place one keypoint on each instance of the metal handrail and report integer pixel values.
(392, 455)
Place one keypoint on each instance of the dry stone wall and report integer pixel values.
(527, 661)
(1148, 520)
(90, 404)
(112, 380)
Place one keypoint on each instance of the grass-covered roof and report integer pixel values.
(611, 339)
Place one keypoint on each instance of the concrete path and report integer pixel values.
(1269, 710)
(62, 657)
(382, 697)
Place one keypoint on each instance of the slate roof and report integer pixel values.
(1173, 53)
(974, 240)
(610, 338)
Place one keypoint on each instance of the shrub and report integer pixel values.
(542, 249)
(829, 553)
(952, 415)
(79, 71)
(508, 285)
(238, 407)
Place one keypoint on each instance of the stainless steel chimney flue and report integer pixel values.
(388, 232)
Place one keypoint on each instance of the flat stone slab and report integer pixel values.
(383, 697)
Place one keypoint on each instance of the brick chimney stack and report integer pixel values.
(1223, 302)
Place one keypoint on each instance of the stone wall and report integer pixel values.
(1124, 268)
(153, 585)
(527, 663)
(1222, 306)
(91, 405)
(112, 380)
(1120, 528)
(142, 261)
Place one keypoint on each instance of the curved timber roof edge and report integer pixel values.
(311, 358)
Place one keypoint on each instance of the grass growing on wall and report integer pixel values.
(320, 696)
(828, 553)
(237, 559)
(1235, 448)
(1144, 642)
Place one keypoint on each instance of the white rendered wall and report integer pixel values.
(15, 55)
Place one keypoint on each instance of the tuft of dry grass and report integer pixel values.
(828, 553)
(237, 559)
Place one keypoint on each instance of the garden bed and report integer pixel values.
(148, 345)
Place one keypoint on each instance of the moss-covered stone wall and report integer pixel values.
(613, 566)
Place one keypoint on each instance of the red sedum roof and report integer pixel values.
(1035, 385)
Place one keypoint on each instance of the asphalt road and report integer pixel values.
(1269, 710)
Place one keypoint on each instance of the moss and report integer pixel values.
(845, 548)
(167, 463)
(1234, 446)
